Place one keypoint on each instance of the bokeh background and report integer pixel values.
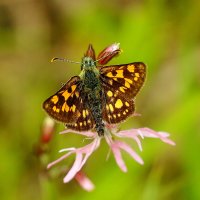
(165, 34)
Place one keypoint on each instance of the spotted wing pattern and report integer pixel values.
(127, 78)
(68, 106)
(116, 107)
(121, 83)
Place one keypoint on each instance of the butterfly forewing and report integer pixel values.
(68, 106)
(127, 78)
(64, 104)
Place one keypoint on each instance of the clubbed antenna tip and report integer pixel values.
(53, 59)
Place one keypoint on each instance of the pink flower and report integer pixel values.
(111, 136)
(82, 154)
(108, 53)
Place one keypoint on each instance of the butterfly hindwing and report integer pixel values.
(84, 121)
(127, 79)
(116, 108)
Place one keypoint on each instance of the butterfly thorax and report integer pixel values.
(92, 89)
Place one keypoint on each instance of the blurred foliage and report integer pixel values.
(165, 34)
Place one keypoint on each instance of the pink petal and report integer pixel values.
(167, 140)
(89, 150)
(130, 134)
(162, 135)
(84, 181)
(118, 158)
(138, 143)
(88, 147)
(108, 53)
(145, 132)
(84, 133)
(67, 149)
(130, 151)
(113, 47)
(75, 168)
(58, 160)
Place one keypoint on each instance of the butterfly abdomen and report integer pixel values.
(93, 90)
(95, 106)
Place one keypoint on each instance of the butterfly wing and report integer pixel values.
(121, 83)
(127, 79)
(85, 120)
(116, 107)
(68, 106)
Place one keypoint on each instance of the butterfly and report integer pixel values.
(99, 95)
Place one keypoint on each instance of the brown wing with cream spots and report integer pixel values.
(84, 121)
(68, 106)
(121, 83)
(116, 107)
(127, 79)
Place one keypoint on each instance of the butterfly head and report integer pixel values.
(87, 63)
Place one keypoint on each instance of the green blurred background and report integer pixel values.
(165, 34)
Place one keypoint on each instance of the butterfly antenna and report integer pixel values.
(64, 60)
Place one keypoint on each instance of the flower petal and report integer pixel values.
(108, 53)
(118, 157)
(130, 151)
(58, 160)
(165, 139)
(84, 133)
(67, 149)
(138, 142)
(130, 134)
(84, 181)
(147, 132)
(75, 168)
(90, 149)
